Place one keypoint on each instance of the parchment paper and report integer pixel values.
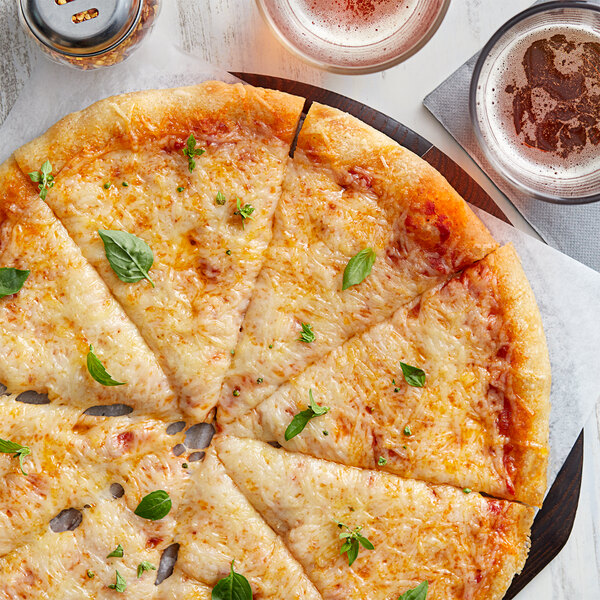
(568, 293)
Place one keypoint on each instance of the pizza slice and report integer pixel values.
(475, 417)
(194, 174)
(351, 196)
(217, 527)
(75, 565)
(63, 308)
(396, 533)
(71, 460)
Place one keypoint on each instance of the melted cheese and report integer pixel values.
(467, 546)
(63, 307)
(55, 565)
(205, 258)
(327, 213)
(218, 525)
(457, 335)
(73, 461)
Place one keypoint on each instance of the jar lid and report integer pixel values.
(81, 27)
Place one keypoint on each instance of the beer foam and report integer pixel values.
(509, 72)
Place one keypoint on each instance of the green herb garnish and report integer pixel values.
(233, 587)
(306, 335)
(352, 542)
(120, 584)
(191, 152)
(413, 375)
(382, 461)
(98, 372)
(180, 188)
(243, 211)
(220, 198)
(117, 552)
(418, 593)
(90, 574)
(407, 431)
(11, 280)
(300, 421)
(154, 506)
(43, 178)
(107, 185)
(20, 452)
(145, 566)
(358, 267)
(129, 256)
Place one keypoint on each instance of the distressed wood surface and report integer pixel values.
(231, 35)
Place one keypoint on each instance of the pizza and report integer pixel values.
(119, 165)
(465, 545)
(480, 420)
(348, 188)
(373, 363)
(63, 308)
(218, 525)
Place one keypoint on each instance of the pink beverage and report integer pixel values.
(359, 35)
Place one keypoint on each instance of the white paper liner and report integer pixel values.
(567, 292)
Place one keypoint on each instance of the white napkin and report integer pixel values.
(573, 230)
(567, 292)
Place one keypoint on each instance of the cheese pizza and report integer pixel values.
(463, 545)
(162, 250)
(479, 421)
(217, 526)
(46, 329)
(195, 173)
(73, 459)
(348, 189)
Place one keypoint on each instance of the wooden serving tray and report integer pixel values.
(553, 523)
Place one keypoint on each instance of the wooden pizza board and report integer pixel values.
(553, 523)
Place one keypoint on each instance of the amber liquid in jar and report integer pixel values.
(547, 101)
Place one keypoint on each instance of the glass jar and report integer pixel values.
(96, 34)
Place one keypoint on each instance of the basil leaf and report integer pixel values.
(306, 335)
(318, 410)
(300, 420)
(418, 593)
(413, 375)
(11, 280)
(191, 151)
(358, 267)
(118, 552)
(145, 566)
(352, 551)
(44, 178)
(120, 584)
(98, 372)
(232, 587)
(154, 506)
(353, 540)
(129, 256)
(8, 447)
(298, 424)
(243, 211)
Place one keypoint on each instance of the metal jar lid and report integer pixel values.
(81, 27)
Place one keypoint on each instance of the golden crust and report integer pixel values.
(530, 378)
(130, 120)
(397, 176)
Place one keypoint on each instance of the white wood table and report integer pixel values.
(231, 34)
